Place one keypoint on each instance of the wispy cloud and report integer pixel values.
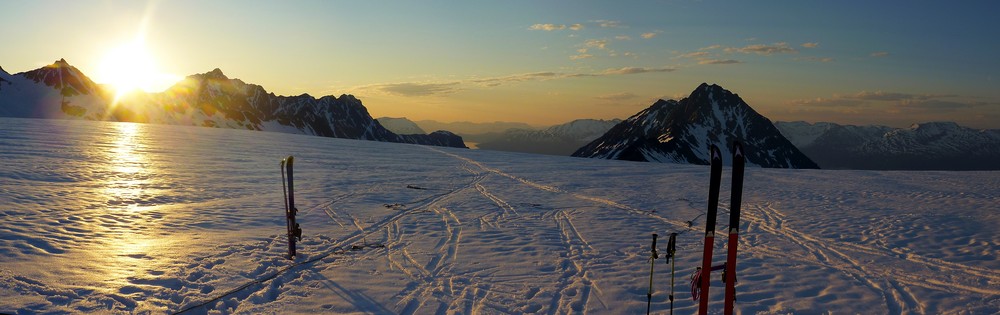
(580, 56)
(623, 37)
(810, 45)
(828, 102)
(609, 24)
(695, 54)
(576, 27)
(893, 96)
(718, 61)
(893, 102)
(879, 54)
(548, 27)
(416, 89)
(815, 59)
(616, 96)
(762, 49)
(936, 105)
(649, 35)
(711, 47)
(636, 70)
(597, 43)
(422, 89)
(495, 81)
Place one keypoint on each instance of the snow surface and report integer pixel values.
(104, 217)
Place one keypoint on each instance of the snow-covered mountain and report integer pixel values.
(561, 139)
(58, 90)
(400, 125)
(681, 132)
(925, 146)
(208, 99)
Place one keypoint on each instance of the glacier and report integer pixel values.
(112, 217)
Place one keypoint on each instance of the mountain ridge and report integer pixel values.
(922, 146)
(209, 99)
(562, 139)
(681, 131)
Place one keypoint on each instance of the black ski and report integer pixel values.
(713, 205)
(734, 226)
(294, 231)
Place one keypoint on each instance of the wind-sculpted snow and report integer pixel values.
(102, 217)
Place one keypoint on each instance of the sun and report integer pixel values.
(130, 67)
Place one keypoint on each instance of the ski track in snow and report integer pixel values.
(880, 271)
(464, 233)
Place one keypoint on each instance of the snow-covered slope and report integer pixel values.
(682, 131)
(561, 139)
(401, 126)
(925, 146)
(208, 99)
(102, 217)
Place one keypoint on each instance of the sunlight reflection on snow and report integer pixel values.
(129, 167)
(130, 172)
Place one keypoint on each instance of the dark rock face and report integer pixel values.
(682, 131)
(441, 138)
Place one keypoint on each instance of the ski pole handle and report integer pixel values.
(671, 246)
(654, 247)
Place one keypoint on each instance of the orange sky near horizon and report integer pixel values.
(542, 63)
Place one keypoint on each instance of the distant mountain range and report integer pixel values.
(561, 139)
(668, 131)
(401, 126)
(925, 146)
(681, 132)
(209, 99)
(472, 128)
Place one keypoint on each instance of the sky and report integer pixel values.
(891, 63)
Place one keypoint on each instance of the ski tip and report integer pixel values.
(715, 153)
(737, 149)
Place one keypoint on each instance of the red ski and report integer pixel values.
(734, 227)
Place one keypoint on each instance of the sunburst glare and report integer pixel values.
(130, 67)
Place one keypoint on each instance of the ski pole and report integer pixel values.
(671, 249)
(652, 258)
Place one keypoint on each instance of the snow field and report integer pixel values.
(178, 217)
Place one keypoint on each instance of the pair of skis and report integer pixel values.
(294, 231)
(702, 277)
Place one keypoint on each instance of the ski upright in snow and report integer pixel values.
(294, 231)
(713, 207)
(734, 227)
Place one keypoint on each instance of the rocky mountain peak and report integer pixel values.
(681, 132)
(215, 74)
